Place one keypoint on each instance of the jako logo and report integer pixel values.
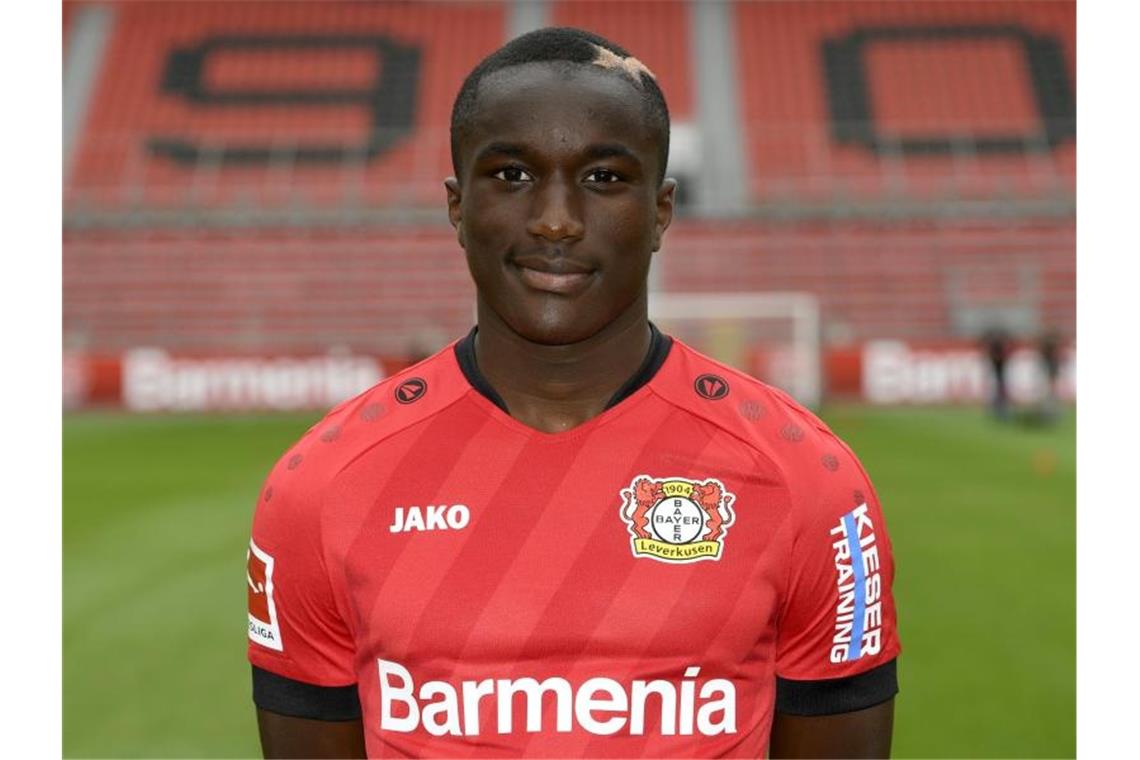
(442, 517)
(601, 706)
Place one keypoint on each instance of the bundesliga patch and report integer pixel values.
(263, 628)
(676, 519)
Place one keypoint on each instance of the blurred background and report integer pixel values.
(877, 213)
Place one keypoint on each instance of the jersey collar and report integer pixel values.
(659, 345)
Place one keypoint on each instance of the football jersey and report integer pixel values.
(656, 581)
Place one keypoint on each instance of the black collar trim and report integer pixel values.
(659, 346)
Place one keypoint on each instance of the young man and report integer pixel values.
(568, 534)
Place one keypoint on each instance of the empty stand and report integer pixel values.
(278, 104)
(888, 112)
(941, 100)
(368, 291)
(884, 280)
(657, 32)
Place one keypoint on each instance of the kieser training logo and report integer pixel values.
(675, 519)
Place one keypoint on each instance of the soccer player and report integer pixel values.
(568, 534)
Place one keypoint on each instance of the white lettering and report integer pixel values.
(687, 701)
(458, 517)
(435, 519)
(533, 691)
(600, 706)
(448, 707)
(896, 372)
(641, 692)
(586, 703)
(390, 694)
(726, 706)
(415, 519)
(873, 587)
(852, 601)
(440, 517)
(473, 691)
(871, 560)
(153, 380)
(871, 642)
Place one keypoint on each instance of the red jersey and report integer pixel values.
(656, 581)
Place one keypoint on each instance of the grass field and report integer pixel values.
(156, 521)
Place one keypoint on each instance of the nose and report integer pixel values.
(556, 213)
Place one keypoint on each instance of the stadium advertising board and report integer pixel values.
(884, 372)
(152, 380)
(896, 372)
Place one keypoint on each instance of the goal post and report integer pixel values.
(773, 336)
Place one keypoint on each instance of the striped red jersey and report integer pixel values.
(656, 581)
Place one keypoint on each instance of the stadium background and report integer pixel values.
(254, 228)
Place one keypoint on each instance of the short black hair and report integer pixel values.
(570, 46)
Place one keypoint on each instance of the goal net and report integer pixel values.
(772, 336)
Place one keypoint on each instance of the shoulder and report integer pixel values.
(769, 421)
(350, 429)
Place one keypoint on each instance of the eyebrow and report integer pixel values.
(500, 149)
(592, 152)
(612, 150)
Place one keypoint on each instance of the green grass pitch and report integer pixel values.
(156, 519)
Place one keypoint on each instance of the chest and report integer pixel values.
(631, 546)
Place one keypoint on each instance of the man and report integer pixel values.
(996, 342)
(568, 534)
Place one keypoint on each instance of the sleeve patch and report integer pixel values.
(859, 610)
(263, 627)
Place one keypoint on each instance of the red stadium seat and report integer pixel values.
(208, 75)
(657, 31)
(244, 291)
(954, 70)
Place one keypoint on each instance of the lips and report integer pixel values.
(553, 275)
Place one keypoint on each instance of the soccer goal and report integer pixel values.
(772, 336)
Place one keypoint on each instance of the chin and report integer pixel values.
(556, 325)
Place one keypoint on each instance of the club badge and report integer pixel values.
(676, 519)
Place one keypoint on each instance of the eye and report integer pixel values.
(512, 174)
(602, 177)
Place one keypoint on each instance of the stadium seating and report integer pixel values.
(311, 92)
(348, 103)
(842, 101)
(244, 291)
(290, 110)
(658, 32)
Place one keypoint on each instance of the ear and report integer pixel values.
(665, 197)
(455, 207)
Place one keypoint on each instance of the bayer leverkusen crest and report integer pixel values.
(677, 519)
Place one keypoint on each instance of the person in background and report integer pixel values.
(996, 346)
(1050, 351)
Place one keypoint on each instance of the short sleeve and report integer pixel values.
(837, 639)
(300, 647)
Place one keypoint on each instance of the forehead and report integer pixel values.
(554, 104)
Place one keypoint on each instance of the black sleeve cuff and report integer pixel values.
(837, 695)
(298, 699)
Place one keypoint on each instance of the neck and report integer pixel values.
(555, 388)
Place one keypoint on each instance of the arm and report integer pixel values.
(862, 733)
(283, 736)
(837, 640)
(301, 651)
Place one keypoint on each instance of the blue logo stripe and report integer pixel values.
(860, 585)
